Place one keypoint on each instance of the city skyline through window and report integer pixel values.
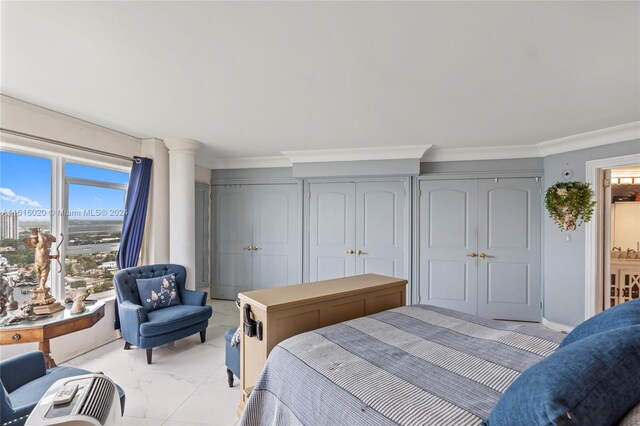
(92, 212)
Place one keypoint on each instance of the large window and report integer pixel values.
(25, 203)
(85, 202)
(95, 205)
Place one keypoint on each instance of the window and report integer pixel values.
(25, 203)
(95, 210)
(85, 202)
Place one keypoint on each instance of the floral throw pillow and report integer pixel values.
(158, 292)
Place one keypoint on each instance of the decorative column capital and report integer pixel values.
(182, 145)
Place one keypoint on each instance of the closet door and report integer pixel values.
(509, 219)
(331, 230)
(277, 243)
(202, 236)
(380, 228)
(448, 239)
(232, 261)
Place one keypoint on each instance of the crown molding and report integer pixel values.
(482, 153)
(609, 135)
(249, 163)
(357, 154)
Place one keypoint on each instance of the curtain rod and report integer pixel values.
(66, 144)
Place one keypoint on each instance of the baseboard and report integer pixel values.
(556, 326)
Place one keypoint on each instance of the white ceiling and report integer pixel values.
(254, 79)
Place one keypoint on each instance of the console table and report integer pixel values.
(286, 311)
(59, 324)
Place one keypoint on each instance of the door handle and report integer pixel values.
(247, 248)
(255, 248)
(360, 252)
(350, 251)
(474, 254)
(485, 256)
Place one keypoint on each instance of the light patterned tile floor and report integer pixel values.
(185, 385)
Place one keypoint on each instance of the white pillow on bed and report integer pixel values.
(632, 418)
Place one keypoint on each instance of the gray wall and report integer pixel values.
(564, 262)
(218, 176)
(532, 165)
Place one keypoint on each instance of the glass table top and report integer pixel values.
(60, 316)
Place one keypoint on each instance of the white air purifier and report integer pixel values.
(87, 400)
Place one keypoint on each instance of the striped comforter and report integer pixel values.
(414, 365)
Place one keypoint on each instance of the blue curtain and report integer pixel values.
(135, 216)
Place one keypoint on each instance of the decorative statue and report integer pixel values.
(5, 293)
(42, 300)
(78, 301)
(24, 313)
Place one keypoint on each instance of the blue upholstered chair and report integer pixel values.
(25, 379)
(147, 330)
(231, 356)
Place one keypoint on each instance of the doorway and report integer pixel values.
(622, 232)
(613, 236)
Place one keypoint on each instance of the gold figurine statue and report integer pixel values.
(42, 301)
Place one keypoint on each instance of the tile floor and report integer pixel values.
(185, 385)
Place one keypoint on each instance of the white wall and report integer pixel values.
(28, 118)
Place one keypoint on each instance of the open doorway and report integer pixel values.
(612, 238)
(622, 232)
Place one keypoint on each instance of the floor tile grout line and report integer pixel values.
(187, 398)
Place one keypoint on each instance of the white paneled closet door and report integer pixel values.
(480, 246)
(276, 236)
(380, 228)
(331, 230)
(509, 276)
(448, 242)
(233, 227)
(357, 228)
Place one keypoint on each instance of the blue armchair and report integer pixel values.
(147, 330)
(25, 379)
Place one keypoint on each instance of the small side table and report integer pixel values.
(57, 325)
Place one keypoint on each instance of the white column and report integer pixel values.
(181, 206)
(156, 234)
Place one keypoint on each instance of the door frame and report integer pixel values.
(594, 246)
(408, 199)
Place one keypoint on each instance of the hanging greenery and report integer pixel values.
(568, 202)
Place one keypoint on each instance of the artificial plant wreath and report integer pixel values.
(568, 202)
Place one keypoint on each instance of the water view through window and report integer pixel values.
(92, 214)
(94, 224)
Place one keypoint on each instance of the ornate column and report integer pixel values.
(182, 218)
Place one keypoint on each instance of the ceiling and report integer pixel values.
(251, 79)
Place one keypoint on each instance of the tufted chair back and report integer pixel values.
(127, 288)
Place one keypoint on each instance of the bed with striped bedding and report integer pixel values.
(414, 365)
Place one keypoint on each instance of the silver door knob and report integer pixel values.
(360, 252)
(247, 248)
(256, 248)
(350, 251)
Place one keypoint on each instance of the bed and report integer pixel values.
(414, 365)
